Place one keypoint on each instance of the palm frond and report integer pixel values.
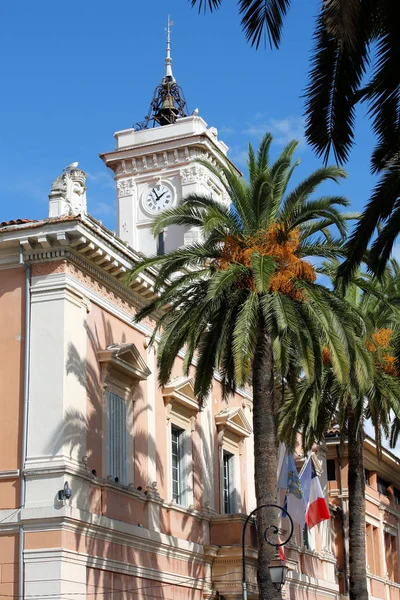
(263, 153)
(263, 18)
(244, 337)
(335, 76)
(205, 5)
(384, 89)
(384, 198)
(303, 190)
(342, 20)
(263, 268)
(382, 247)
(224, 279)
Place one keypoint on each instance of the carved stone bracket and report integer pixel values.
(192, 423)
(221, 434)
(168, 410)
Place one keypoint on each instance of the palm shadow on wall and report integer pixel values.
(81, 434)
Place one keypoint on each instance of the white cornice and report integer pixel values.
(83, 236)
(9, 474)
(108, 564)
(9, 518)
(136, 161)
(106, 529)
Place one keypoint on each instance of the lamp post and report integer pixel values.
(277, 568)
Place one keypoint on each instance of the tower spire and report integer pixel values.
(168, 60)
(168, 103)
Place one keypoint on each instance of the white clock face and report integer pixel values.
(158, 198)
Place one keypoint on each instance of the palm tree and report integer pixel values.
(353, 39)
(372, 392)
(242, 299)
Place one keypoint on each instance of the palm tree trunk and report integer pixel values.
(356, 485)
(265, 454)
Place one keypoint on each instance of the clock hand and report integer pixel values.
(155, 193)
(161, 195)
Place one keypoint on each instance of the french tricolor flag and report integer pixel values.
(316, 507)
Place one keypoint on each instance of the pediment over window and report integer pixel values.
(233, 420)
(124, 359)
(181, 391)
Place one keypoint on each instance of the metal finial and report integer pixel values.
(168, 59)
(168, 103)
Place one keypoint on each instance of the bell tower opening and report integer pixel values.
(160, 244)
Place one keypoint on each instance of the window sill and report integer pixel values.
(129, 489)
(187, 510)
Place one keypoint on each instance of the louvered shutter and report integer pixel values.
(117, 434)
(184, 470)
(232, 484)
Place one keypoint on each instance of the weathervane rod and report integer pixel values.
(168, 59)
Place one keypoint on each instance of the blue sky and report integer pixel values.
(73, 76)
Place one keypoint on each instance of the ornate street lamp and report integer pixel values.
(277, 568)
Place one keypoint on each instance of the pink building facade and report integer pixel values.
(159, 485)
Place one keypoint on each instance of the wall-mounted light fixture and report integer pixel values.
(278, 571)
(65, 493)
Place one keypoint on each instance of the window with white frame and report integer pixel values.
(178, 464)
(122, 370)
(117, 438)
(181, 409)
(233, 428)
(229, 488)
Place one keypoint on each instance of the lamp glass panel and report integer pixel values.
(278, 573)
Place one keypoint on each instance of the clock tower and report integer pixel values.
(155, 165)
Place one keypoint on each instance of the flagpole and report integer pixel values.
(275, 531)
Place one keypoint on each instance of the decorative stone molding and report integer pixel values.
(234, 421)
(68, 193)
(125, 187)
(9, 474)
(140, 539)
(167, 158)
(148, 345)
(125, 361)
(90, 275)
(198, 174)
(194, 174)
(179, 392)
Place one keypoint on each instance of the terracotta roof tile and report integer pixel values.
(333, 431)
(16, 222)
(32, 223)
